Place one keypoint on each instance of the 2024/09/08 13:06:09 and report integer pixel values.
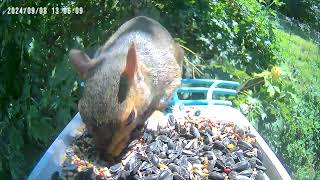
(42, 10)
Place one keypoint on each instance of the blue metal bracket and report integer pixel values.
(212, 90)
(215, 88)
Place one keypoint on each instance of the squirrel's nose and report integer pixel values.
(119, 148)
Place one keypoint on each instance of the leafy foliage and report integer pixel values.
(286, 110)
(38, 88)
(303, 10)
(224, 39)
(228, 33)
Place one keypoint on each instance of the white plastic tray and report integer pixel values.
(52, 159)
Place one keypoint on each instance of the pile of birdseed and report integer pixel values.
(196, 147)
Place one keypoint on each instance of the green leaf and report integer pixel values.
(271, 90)
(63, 116)
(41, 129)
(15, 139)
(17, 165)
(263, 114)
(277, 89)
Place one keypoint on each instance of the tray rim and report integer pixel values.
(53, 157)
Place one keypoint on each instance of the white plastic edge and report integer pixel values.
(51, 160)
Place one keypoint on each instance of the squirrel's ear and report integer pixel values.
(131, 65)
(81, 62)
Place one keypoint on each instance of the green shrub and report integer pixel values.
(286, 110)
(228, 33)
(307, 11)
(39, 90)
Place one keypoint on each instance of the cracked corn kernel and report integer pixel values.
(230, 147)
(163, 166)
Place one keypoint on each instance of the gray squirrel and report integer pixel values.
(131, 76)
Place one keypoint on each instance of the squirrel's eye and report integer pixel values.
(123, 88)
(131, 117)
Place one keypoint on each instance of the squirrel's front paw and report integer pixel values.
(155, 121)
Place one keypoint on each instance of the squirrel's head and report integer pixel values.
(115, 96)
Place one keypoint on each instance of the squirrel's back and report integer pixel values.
(154, 46)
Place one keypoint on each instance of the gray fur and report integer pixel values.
(159, 63)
